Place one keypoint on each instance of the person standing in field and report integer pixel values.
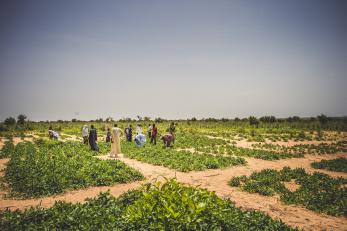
(93, 137)
(138, 129)
(172, 130)
(108, 136)
(154, 133)
(50, 132)
(149, 131)
(115, 145)
(85, 134)
(129, 133)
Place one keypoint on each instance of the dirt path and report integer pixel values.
(213, 180)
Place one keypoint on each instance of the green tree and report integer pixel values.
(323, 119)
(21, 119)
(253, 121)
(10, 121)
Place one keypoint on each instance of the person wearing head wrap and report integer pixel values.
(85, 133)
(93, 137)
(115, 145)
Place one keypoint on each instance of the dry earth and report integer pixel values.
(213, 180)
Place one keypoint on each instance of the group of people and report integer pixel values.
(90, 136)
(113, 136)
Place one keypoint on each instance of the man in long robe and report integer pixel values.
(115, 145)
(93, 137)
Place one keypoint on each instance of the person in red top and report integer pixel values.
(154, 135)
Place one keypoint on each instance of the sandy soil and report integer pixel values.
(213, 180)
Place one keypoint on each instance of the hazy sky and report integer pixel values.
(172, 59)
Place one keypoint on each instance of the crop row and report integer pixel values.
(7, 150)
(188, 140)
(318, 192)
(168, 206)
(255, 153)
(322, 148)
(51, 167)
(337, 165)
(180, 160)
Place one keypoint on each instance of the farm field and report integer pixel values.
(233, 174)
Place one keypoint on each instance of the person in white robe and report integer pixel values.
(115, 142)
(85, 133)
(138, 129)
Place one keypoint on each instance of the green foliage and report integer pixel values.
(253, 121)
(317, 192)
(338, 165)
(260, 154)
(268, 119)
(168, 206)
(180, 160)
(7, 150)
(323, 119)
(51, 167)
(21, 119)
(188, 140)
(10, 121)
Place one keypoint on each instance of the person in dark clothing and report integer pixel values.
(108, 136)
(154, 135)
(129, 133)
(93, 137)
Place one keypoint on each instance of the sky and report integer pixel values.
(172, 59)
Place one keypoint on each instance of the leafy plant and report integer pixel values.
(7, 150)
(338, 165)
(167, 206)
(50, 167)
(180, 160)
(318, 192)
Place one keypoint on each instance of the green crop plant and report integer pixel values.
(166, 206)
(317, 191)
(7, 150)
(337, 165)
(180, 160)
(50, 167)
